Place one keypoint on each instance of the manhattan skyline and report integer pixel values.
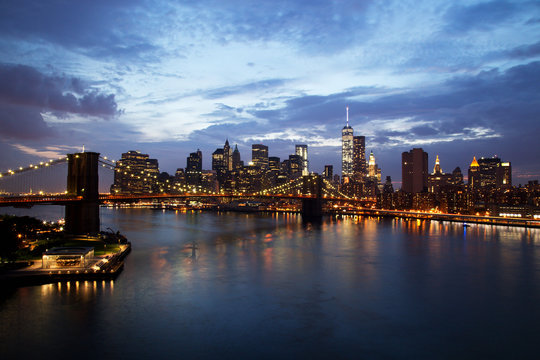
(458, 79)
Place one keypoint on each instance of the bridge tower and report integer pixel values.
(312, 207)
(83, 180)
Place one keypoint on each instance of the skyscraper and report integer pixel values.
(236, 161)
(347, 149)
(374, 173)
(414, 171)
(227, 156)
(489, 172)
(301, 150)
(194, 168)
(135, 173)
(359, 158)
(328, 172)
(259, 156)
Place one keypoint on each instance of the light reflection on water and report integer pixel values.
(207, 284)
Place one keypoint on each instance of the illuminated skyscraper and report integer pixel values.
(135, 173)
(259, 156)
(194, 168)
(347, 149)
(414, 171)
(301, 150)
(374, 173)
(489, 172)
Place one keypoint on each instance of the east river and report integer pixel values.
(209, 285)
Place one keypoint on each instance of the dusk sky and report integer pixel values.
(457, 78)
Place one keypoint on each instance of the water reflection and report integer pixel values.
(210, 283)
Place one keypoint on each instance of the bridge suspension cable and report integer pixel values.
(39, 178)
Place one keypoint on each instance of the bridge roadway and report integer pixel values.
(62, 199)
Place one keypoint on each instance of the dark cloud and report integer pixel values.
(525, 51)
(24, 123)
(26, 93)
(25, 86)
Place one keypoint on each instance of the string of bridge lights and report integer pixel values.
(147, 175)
(39, 165)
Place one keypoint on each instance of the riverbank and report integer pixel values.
(486, 220)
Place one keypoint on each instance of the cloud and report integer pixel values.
(524, 51)
(26, 93)
(482, 17)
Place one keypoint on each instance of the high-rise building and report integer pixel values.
(194, 168)
(359, 158)
(347, 150)
(259, 156)
(438, 180)
(374, 173)
(295, 163)
(135, 173)
(302, 151)
(489, 172)
(414, 171)
(328, 172)
(227, 156)
(218, 161)
(236, 161)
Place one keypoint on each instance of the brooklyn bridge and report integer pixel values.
(82, 198)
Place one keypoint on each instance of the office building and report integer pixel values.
(259, 156)
(135, 173)
(414, 171)
(194, 168)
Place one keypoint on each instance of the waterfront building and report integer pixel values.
(135, 173)
(302, 151)
(414, 171)
(259, 156)
(347, 150)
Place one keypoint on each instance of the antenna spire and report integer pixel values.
(347, 115)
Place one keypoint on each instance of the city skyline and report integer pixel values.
(458, 80)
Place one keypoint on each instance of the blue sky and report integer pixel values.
(457, 78)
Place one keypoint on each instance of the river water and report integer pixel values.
(208, 285)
